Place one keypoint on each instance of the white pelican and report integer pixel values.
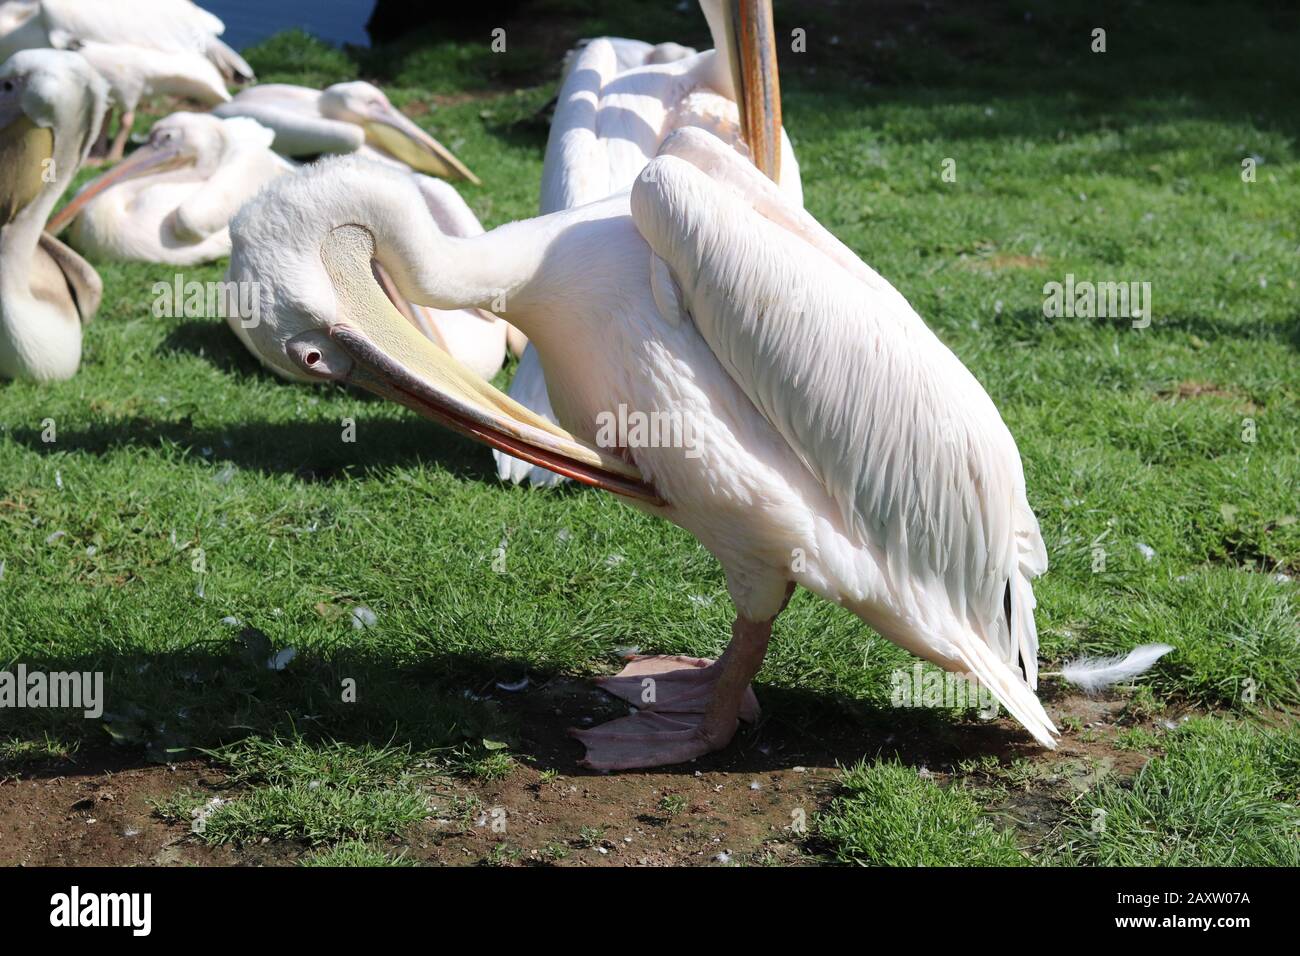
(825, 436)
(172, 200)
(618, 100)
(344, 118)
(474, 337)
(139, 46)
(51, 105)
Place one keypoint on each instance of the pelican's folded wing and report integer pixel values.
(82, 280)
(211, 206)
(899, 433)
(299, 128)
(170, 26)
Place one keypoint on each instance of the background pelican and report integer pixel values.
(344, 118)
(51, 105)
(618, 100)
(139, 46)
(172, 200)
(472, 336)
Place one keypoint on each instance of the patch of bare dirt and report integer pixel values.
(1001, 262)
(749, 804)
(1186, 391)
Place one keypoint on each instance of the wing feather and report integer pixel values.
(900, 434)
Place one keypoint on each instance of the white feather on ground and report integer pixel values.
(1096, 673)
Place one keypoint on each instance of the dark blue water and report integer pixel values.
(248, 21)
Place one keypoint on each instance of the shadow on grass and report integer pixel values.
(167, 706)
(216, 344)
(310, 451)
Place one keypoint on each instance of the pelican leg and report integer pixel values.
(118, 148)
(711, 697)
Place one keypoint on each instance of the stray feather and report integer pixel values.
(1097, 673)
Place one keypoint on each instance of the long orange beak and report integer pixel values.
(758, 87)
(144, 161)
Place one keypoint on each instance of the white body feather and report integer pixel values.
(1097, 673)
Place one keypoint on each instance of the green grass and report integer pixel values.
(354, 853)
(1122, 166)
(314, 793)
(1221, 794)
(890, 816)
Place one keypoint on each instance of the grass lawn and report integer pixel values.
(175, 517)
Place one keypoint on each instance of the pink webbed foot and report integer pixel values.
(673, 685)
(686, 706)
(649, 739)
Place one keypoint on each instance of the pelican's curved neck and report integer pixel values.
(501, 271)
(18, 242)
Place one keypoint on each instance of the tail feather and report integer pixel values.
(233, 67)
(1008, 687)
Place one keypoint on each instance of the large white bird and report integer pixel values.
(51, 105)
(140, 47)
(819, 433)
(353, 117)
(474, 337)
(618, 100)
(172, 200)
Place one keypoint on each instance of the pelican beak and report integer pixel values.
(374, 347)
(25, 149)
(754, 74)
(144, 161)
(392, 131)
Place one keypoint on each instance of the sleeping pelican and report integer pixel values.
(172, 200)
(618, 100)
(51, 105)
(828, 438)
(474, 337)
(139, 46)
(344, 118)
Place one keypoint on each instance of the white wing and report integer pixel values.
(908, 445)
(169, 26)
(133, 71)
(292, 113)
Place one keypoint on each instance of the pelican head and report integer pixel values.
(390, 130)
(311, 243)
(51, 107)
(198, 141)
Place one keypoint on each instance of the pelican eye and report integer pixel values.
(315, 354)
